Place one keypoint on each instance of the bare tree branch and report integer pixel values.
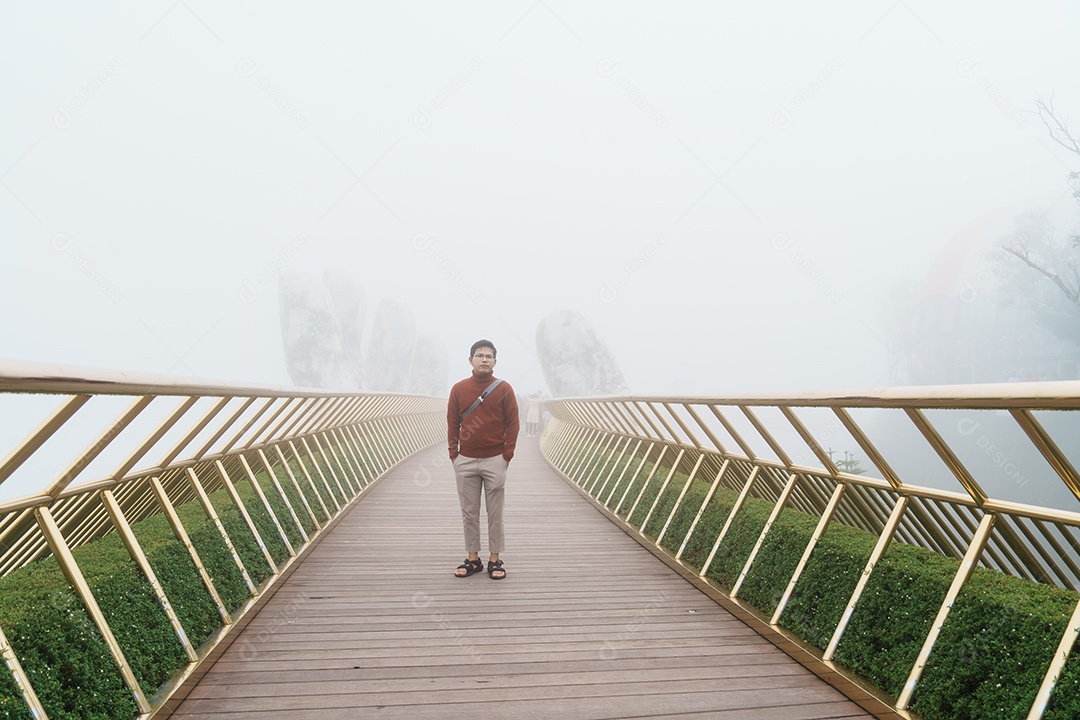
(1073, 293)
(1059, 132)
(1058, 128)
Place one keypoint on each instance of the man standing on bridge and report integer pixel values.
(481, 431)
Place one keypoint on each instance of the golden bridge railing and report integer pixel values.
(294, 458)
(951, 483)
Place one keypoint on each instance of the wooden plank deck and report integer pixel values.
(587, 623)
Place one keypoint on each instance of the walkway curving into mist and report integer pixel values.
(587, 624)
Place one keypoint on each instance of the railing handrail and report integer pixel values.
(300, 456)
(1048, 394)
(34, 377)
(597, 442)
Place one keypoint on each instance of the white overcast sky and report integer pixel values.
(724, 190)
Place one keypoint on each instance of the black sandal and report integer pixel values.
(471, 567)
(494, 567)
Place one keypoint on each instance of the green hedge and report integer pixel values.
(664, 505)
(63, 654)
(628, 484)
(776, 561)
(895, 614)
(826, 584)
(64, 657)
(178, 576)
(989, 659)
(994, 649)
(680, 522)
(1065, 702)
(11, 702)
(741, 537)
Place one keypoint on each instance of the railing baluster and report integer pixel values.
(244, 514)
(136, 552)
(337, 459)
(211, 513)
(660, 492)
(300, 491)
(704, 503)
(682, 494)
(971, 557)
(630, 482)
(621, 445)
(1049, 449)
(156, 435)
(644, 487)
(185, 540)
(819, 530)
(777, 509)
(743, 494)
(78, 583)
(875, 557)
(347, 461)
(103, 441)
(281, 493)
(311, 480)
(254, 482)
(1053, 673)
(19, 676)
(47, 429)
(625, 467)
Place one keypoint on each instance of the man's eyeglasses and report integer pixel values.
(478, 356)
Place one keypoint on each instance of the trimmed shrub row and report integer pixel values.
(993, 650)
(64, 656)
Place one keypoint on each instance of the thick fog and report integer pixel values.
(726, 192)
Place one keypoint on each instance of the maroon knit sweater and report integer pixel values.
(489, 430)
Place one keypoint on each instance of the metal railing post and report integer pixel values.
(875, 557)
(247, 518)
(182, 536)
(819, 530)
(211, 513)
(682, 494)
(254, 482)
(743, 494)
(78, 583)
(966, 566)
(19, 676)
(777, 509)
(136, 552)
(704, 503)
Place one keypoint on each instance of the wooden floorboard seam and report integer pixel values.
(586, 626)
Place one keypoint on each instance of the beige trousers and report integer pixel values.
(473, 476)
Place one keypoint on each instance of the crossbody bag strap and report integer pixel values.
(477, 401)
